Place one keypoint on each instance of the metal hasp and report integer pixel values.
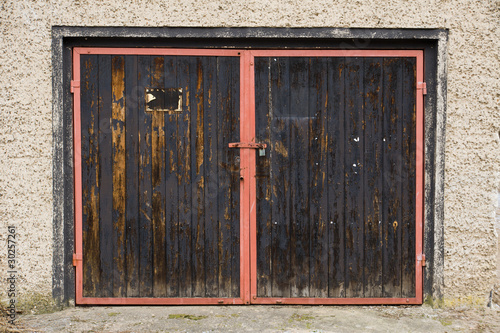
(422, 86)
(77, 257)
(251, 145)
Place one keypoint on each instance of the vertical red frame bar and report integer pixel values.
(77, 165)
(247, 162)
(420, 153)
(419, 55)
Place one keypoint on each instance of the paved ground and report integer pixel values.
(263, 319)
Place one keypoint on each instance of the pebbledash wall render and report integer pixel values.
(459, 202)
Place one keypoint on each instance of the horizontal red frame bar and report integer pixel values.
(255, 53)
(336, 301)
(159, 301)
(155, 51)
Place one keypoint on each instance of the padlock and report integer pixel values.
(262, 152)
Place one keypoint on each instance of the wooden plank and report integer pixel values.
(227, 165)
(106, 176)
(184, 178)
(263, 104)
(197, 74)
(233, 156)
(145, 189)
(299, 123)
(335, 175)
(279, 155)
(373, 144)
(409, 178)
(118, 137)
(158, 184)
(210, 165)
(132, 106)
(392, 177)
(171, 185)
(354, 177)
(90, 175)
(318, 140)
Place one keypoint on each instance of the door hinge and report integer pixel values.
(422, 86)
(74, 85)
(421, 259)
(76, 258)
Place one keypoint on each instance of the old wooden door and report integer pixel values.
(177, 201)
(160, 188)
(336, 192)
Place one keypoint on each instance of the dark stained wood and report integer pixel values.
(132, 175)
(118, 135)
(263, 180)
(171, 185)
(335, 176)
(279, 155)
(145, 179)
(298, 164)
(90, 174)
(210, 165)
(226, 165)
(392, 223)
(354, 177)
(184, 177)
(318, 168)
(106, 176)
(408, 179)
(233, 157)
(158, 184)
(372, 193)
(197, 76)
(335, 189)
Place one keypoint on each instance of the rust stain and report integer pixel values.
(280, 149)
(158, 72)
(395, 226)
(118, 139)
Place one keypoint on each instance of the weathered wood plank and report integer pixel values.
(225, 168)
(263, 104)
(372, 193)
(299, 122)
(184, 178)
(318, 140)
(158, 184)
(132, 172)
(106, 176)
(210, 165)
(197, 74)
(336, 179)
(145, 178)
(233, 156)
(280, 137)
(392, 225)
(409, 178)
(171, 184)
(90, 175)
(118, 137)
(354, 177)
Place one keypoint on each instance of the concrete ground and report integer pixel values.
(263, 319)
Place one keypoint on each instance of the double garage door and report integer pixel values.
(215, 176)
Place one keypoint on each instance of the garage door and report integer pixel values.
(237, 177)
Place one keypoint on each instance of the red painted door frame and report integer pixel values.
(248, 225)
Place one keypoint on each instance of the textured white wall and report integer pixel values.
(473, 123)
